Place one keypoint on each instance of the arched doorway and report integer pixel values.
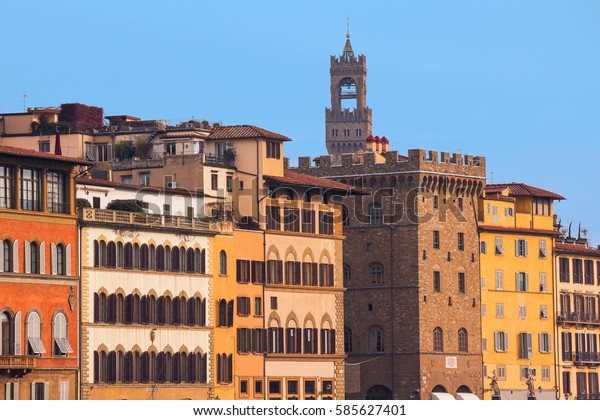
(464, 389)
(379, 392)
(439, 388)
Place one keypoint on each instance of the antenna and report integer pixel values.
(347, 27)
(25, 96)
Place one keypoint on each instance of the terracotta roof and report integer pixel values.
(184, 134)
(17, 151)
(576, 248)
(519, 230)
(114, 184)
(297, 179)
(522, 190)
(244, 132)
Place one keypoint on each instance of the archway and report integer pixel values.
(379, 392)
(439, 388)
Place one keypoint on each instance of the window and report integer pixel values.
(499, 279)
(589, 272)
(7, 256)
(577, 271)
(461, 283)
(326, 223)
(564, 267)
(521, 247)
(291, 220)
(525, 346)
(522, 311)
(273, 218)
(543, 251)
(438, 339)
(40, 390)
(127, 179)
(543, 312)
(483, 285)
(545, 342)
(500, 342)
(461, 241)
(499, 248)
(543, 283)
(273, 302)
(104, 152)
(34, 335)
(224, 368)
(483, 309)
(375, 339)
(346, 132)
(437, 282)
(56, 192)
(501, 372)
(358, 132)
(244, 340)
(243, 306)
(376, 273)
(499, 310)
(310, 389)
(347, 340)
(30, 189)
(459, 204)
(222, 263)
(145, 178)
(243, 272)
(12, 391)
(494, 214)
(8, 330)
(545, 373)
(375, 214)
(273, 150)
(483, 247)
(258, 306)
(509, 212)
(484, 346)
(214, 181)
(436, 239)
(541, 206)
(347, 273)
(334, 132)
(6, 184)
(308, 221)
(275, 389)
(522, 280)
(229, 183)
(44, 146)
(61, 343)
(463, 341)
(327, 341)
(345, 216)
(436, 202)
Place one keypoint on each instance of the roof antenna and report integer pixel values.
(25, 96)
(348, 27)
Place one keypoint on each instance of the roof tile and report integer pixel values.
(522, 190)
(244, 131)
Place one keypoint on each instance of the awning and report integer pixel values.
(466, 396)
(441, 396)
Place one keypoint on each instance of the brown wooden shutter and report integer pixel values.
(279, 279)
(280, 340)
(96, 308)
(315, 341)
(298, 340)
(230, 313)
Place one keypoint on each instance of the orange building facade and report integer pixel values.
(39, 303)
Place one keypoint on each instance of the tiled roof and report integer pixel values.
(294, 178)
(114, 184)
(577, 248)
(244, 132)
(522, 190)
(17, 151)
(496, 228)
(183, 134)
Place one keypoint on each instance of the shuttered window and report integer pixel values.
(34, 341)
(62, 346)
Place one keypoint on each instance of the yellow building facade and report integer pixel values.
(577, 302)
(518, 340)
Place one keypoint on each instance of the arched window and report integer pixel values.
(160, 258)
(152, 257)
(120, 308)
(96, 254)
(128, 256)
(103, 254)
(111, 257)
(136, 257)
(144, 257)
(347, 340)
(168, 311)
(6, 334)
(438, 339)
(152, 309)
(120, 256)
(167, 258)
(176, 311)
(34, 258)
(60, 260)
(376, 273)
(197, 260)
(182, 259)
(222, 313)
(34, 335)
(375, 339)
(203, 261)
(61, 342)
(347, 273)
(223, 263)
(463, 341)
(120, 371)
(175, 259)
(102, 308)
(375, 214)
(100, 367)
(145, 368)
(190, 260)
(7, 260)
(128, 360)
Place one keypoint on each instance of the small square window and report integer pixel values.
(369, 246)
(258, 388)
(258, 306)
(273, 302)
(243, 386)
(501, 372)
(370, 307)
(214, 181)
(275, 387)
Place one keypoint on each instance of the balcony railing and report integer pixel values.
(578, 317)
(17, 362)
(154, 220)
(581, 357)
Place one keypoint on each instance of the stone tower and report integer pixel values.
(348, 121)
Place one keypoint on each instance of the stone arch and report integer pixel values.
(136, 348)
(326, 319)
(273, 251)
(102, 347)
(167, 293)
(291, 251)
(379, 392)
(152, 349)
(291, 317)
(309, 318)
(183, 349)
(136, 291)
(274, 316)
(198, 349)
(120, 291)
(464, 389)
(308, 253)
(152, 292)
(120, 348)
(439, 388)
(103, 290)
(325, 258)
(168, 349)
(183, 294)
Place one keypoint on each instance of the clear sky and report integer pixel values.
(516, 81)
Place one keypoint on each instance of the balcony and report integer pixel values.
(578, 318)
(17, 362)
(154, 220)
(581, 357)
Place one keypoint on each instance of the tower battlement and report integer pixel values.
(350, 61)
(348, 115)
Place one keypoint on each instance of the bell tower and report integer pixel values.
(348, 121)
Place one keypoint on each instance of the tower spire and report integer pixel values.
(348, 52)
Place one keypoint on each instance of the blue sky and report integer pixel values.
(515, 81)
